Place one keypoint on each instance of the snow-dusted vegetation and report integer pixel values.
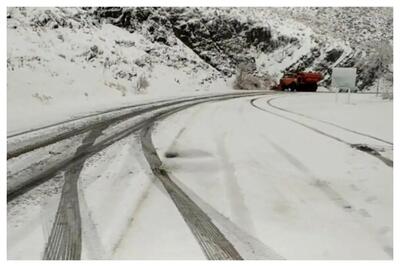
(86, 59)
(63, 61)
(131, 134)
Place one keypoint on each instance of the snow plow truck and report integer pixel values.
(301, 81)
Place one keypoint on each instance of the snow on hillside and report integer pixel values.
(327, 37)
(277, 40)
(65, 62)
(62, 62)
(359, 26)
(364, 31)
(284, 54)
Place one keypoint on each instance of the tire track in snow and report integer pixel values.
(43, 172)
(213, 243)
(269, 102)
(91, 241)
(359, 215)
(65, 132)
(250, 247)
(74, 131)
(234, 193)
(65, 240)
(330, 193)
(172, 151)
(371, 152)
(320, 184)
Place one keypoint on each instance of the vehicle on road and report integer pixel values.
(301, 81)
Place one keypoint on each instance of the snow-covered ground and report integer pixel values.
(66, 62)
(55, 72)
(364, 113)
(275, 189)
(299, 193)
(276, 175)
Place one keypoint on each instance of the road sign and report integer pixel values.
(344, 78)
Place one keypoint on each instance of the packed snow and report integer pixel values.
(277, 175)
(255, 181)
(299, 193)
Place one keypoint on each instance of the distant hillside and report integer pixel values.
(275, 39)
(87, 58)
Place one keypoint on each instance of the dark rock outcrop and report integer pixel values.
(333, 55)
(221, 41)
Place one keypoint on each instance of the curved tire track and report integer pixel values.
(269, 102)
(65, 239)
(373, 153)
(48, 172)
(97, 114)
(64, 242)
(21, 148)
(213, 243)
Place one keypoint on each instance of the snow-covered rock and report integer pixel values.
(61, 60)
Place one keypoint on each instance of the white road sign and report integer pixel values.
(344, 78)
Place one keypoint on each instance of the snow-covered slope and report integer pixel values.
(70, 61)
(62, 62)
(362, 32)
(326, 38)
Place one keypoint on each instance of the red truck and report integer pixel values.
(301, 81)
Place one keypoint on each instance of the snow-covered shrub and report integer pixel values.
(45, 99)
(268, 81)
(117, 86)
(382, 56)
(93, 52)
(141, 84)
(241, 74)
(140, 62)
(387, 95)
(247, 80)
(377, 66)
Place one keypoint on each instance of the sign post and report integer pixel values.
(348, 96)
(344, 79)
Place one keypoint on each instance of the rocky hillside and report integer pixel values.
(82, 53)
(272, 40)
(367, 31)
(221, 39)
(61, 60)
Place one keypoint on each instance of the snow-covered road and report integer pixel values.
(301, 194)
(271, 177)
(47, 166)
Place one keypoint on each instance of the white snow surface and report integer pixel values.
(300, 194)
(365, 112)
(54, 74)
(275, 189)
(62, 63)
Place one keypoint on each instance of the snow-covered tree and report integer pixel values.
(375, 64)
(383, 56)
(382, 60)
